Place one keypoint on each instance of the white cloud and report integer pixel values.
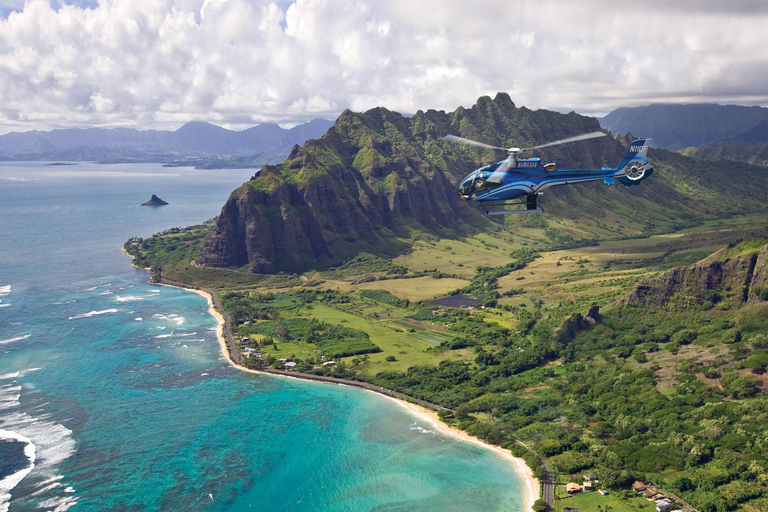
(157, 63)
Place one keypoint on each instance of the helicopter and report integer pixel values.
(519, 182)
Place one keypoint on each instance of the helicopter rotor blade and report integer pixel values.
(498, 175)
(584, 136)
(470, 142)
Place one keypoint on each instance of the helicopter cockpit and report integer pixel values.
(477, 182)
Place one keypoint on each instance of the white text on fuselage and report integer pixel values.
(526, 164)
(638, 149)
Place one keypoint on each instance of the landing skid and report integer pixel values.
(529, 203)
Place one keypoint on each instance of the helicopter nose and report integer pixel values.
(465, 188)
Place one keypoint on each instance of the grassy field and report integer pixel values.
(590, 501)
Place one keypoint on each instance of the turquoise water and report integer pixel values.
(114, 395)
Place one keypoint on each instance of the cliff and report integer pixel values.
(737, 274)
(377, 179)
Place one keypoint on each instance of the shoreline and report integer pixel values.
(532, 484)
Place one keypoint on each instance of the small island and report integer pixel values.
(154, 201)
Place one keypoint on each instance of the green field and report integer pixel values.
(593, 501)
(510, 370)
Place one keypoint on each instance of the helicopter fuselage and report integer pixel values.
(525, 178)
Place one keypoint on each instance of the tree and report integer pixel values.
(539, 505)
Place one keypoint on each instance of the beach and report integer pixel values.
(532, 484)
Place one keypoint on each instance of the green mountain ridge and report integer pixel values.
(755, 154)
(377, 179)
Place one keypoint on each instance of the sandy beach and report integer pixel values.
(521, 468)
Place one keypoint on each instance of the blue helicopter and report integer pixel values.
(519, 182)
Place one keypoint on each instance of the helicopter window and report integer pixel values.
(483, 184)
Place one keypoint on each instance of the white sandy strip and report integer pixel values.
(521, 468)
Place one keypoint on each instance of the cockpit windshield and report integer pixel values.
(475, 183)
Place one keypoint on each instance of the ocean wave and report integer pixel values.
(93, 313)
(64, 302)
(173, 317)
(164, 335)
(47, 445)
(97, 287)
(421, 429)
(4, 305)
(106, 292)
(186, 334)
(12, 480)
(18, 338)
(5, 289)
(128, 298)
(139, 319)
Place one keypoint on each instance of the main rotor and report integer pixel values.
(513, 151)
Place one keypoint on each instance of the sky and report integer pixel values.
(236, 63)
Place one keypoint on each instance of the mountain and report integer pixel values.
(193, 140)
(756, 154)
(676, 127)
(377, 179)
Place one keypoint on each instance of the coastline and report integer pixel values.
(532, 484)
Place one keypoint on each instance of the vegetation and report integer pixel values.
(548, 340)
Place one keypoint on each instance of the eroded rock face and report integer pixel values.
(370, 179)
(758, 290)
(740, 279)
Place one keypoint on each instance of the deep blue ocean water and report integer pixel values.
(114, 395)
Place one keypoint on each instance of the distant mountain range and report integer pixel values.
(195, 142)
(677, 127)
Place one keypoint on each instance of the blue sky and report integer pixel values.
(160, 63)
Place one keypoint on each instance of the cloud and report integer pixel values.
(158, 63)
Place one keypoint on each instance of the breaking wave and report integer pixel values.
(93, 313)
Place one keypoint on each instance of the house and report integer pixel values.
(663, 505)
(651, 495)
(290, 364)
(638, 486)
(282, 360)
(329, 363)
(322, 358)
(587, 486)
(603, 492)
(572, 487)
(250, 351)
(592, 477)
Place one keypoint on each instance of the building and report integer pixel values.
(587, 486)
(663, 505)
(652, 495)
(603, 492)
(572, 487)
(290, 364)
(638, 486)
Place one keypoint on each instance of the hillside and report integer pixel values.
(755, 154)
(676, 127)
(376, 181)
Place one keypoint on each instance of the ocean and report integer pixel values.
(114, 395)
